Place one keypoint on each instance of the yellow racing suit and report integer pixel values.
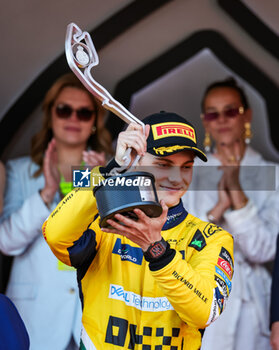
(129, 303)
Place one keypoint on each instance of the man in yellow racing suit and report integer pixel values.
(154, 283)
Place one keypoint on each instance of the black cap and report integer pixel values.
(169, 134)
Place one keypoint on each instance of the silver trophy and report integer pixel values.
(82, 57)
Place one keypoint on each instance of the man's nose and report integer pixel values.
(175, 175)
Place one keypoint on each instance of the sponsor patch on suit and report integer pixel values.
(127, 252)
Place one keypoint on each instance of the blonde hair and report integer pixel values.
(100, 141)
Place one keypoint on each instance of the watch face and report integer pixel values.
(157, 250)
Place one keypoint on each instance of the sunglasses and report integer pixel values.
(65, 111)
(230, 113)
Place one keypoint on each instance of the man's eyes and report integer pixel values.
(166, 165)
(163, 165)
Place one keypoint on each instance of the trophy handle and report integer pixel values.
(82, 57)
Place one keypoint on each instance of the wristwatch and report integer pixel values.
(156, 250)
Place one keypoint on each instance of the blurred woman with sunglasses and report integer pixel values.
(44, 290)
(237, 190)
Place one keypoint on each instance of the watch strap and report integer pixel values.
(156, 250)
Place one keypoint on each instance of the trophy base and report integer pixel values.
(123, 193)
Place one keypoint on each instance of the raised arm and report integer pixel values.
(190, 286)
(198, 289)
(68, 221)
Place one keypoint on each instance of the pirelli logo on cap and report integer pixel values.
(173, 129)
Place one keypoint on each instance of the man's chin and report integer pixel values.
(170, 202)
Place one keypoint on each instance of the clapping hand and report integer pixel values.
(51, 173)
(230, 193)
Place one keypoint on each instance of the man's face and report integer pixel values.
(173, 174)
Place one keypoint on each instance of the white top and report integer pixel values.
(44, 292)
(254, 228)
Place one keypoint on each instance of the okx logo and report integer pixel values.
(198, 241)
(81, 178)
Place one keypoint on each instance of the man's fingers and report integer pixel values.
(140, 214)
(121, 228)
(165, 210)
(147, 130)
(134, 126)
(125, 220)
(131, 138)
(134, 137)
(136, 133)
(164, 206)
(138, 145)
